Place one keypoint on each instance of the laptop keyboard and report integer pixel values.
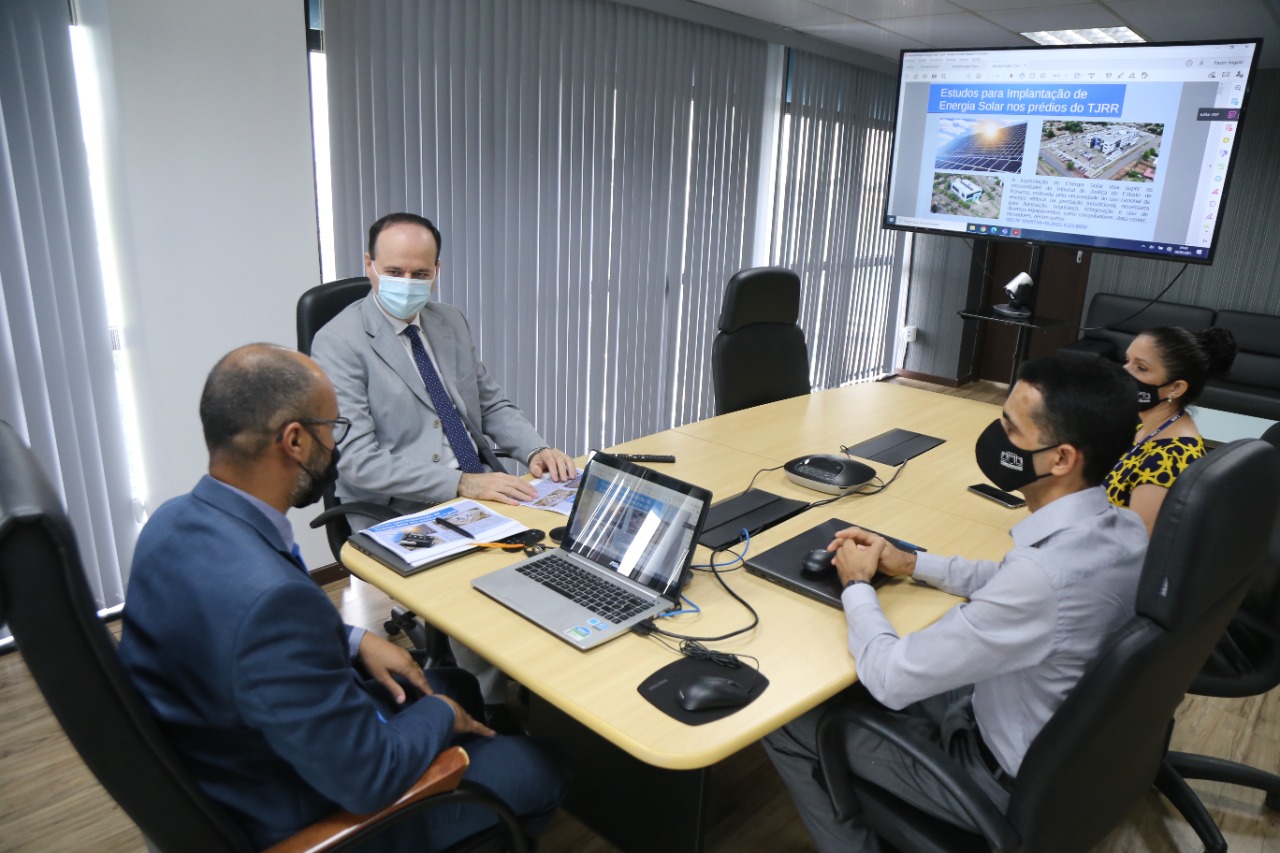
(581, 587)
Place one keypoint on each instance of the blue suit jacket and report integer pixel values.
(244, 661)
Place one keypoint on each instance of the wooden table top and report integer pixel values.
(800, 643)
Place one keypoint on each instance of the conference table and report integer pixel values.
(628, 753)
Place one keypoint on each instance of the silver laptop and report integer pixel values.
(624, 557)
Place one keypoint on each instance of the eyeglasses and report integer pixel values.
(339, 426)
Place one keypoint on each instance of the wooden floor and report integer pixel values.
(50, 802)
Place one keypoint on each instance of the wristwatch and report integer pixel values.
(854, 581)
(529, 461)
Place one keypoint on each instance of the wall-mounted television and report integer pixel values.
(1113, 148)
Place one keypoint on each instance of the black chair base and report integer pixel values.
(1190, 766)
(1179, 794)
(1180, 766)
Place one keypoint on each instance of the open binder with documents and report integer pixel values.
(416, 542)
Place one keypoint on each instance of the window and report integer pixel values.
(594, 168)
(834, 146)
(58, 386)
(597, 172)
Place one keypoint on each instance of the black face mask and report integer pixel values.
(1002, 462)
(1148, 395)
(318, 483)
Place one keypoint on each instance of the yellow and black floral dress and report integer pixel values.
(1158, 461)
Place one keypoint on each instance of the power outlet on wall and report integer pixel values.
(909, 334)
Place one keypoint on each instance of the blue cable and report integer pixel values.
(755, 617)
(682, 610)
(737, 558)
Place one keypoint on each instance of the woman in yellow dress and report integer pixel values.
(1171, 366)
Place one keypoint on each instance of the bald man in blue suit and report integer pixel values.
(246, 663)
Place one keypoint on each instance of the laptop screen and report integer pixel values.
(637, 522)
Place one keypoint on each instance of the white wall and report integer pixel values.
(216, 202)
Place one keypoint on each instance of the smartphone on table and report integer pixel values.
(991, 493)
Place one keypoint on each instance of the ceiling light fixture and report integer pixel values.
(1097, 35)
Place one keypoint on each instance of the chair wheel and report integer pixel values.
(1272, 801)
(392, 627)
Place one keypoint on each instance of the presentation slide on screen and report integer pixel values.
(1109, 148)
(640, 529)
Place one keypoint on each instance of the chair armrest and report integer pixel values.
(372, 510)
(444, 775)
(989, 820)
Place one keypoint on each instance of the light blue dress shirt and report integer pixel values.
(1033, 624)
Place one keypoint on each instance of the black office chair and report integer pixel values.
(317, 307)
(323, 302)
(1105, 747)
(760, 355)
(1246, 662)
(45, 601)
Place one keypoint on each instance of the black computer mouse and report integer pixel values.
(708, 692)
(818, 562)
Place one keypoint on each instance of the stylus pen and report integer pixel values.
(456, 528)
(900, 544)
(903, 545)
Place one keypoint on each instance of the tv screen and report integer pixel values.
(1116, 148)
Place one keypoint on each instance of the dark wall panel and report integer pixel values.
(940, 274)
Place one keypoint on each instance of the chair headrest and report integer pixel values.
(323, 302)
(1197, 553)
(760, 295)
(27, 493)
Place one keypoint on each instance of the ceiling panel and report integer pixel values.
(958, 30)
(1176, 20)
(786, 13)
(943, 24)
(871, 10)
(866, 37)
(984, 5)
(1073, 17)
(1185, 20)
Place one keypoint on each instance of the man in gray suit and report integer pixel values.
(419, 400)
(385, 353)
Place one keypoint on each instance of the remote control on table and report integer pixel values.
(646, 457)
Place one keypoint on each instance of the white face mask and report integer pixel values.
(403, 297)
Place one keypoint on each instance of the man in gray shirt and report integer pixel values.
(984, 679)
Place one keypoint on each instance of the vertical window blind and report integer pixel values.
(594, 169)
(833, 159)
(57, 379)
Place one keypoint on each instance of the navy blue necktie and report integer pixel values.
(297, 557)
(450, 420)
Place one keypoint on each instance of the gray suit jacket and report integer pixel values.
(389, 456)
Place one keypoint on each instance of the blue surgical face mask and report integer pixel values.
(403, 297)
